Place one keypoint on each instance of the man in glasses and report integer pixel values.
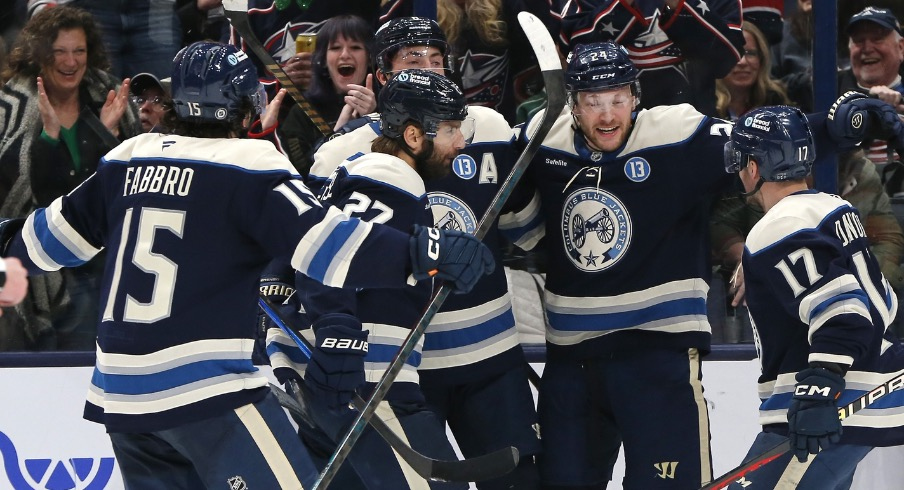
(148, 94)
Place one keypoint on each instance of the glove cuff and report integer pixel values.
(340, 333)
(818, 384)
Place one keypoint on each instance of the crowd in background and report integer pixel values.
(80, 76)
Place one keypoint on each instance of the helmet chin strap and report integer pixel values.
(756, 189)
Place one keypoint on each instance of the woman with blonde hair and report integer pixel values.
(749, 84)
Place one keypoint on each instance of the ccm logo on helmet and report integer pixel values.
(603, 76)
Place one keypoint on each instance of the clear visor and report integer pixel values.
(734, 159)
(259, 99)
(448, 132)
(599, 102)
(420, 57)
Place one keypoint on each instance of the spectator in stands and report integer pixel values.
(877, 52)
(140, 35)
(490, 54)
(64, 112)
(340, 90)
(749, 84)
(150, 97)
(277, 24)
(695, 43)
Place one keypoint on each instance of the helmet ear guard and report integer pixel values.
(778, 138)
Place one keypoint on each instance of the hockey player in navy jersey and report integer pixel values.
(191, 219)
(820, 308)
(622, 201)
(424, 124)
(472, 357)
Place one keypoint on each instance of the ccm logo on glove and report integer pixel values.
(345, 344)
(811, 390)
(433, 245)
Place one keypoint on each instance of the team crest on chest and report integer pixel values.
(451, 213)
(596, 229)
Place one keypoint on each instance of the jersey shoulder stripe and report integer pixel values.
(489, 125)
(663, 126)
(793, 214)
(332, 153)
(242, 154)
(387, 170)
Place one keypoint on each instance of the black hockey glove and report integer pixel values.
(813, 422)
(336, 368)
(451, 255)
(8, 229)
(855, 117)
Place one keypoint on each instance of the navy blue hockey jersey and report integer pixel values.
(473, 335)
(815, 293)
(625, 232)
(190, 224)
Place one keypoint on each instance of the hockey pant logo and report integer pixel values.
(666, 469)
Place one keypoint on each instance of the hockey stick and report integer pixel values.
(551, 67)
(237, 13)
(485, 467)
(893, 384)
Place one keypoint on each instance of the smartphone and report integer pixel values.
(305, 43)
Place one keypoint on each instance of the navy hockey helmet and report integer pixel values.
(600, 66)
(211, 82)
(422, 96)
(407, 31)
(778, 138)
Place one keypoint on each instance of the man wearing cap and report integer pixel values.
(877, 51)
(149, 95)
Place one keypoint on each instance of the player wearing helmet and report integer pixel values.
(472, 357)
(424, 125)
(820, 307)
(622, 201)
(190, 222)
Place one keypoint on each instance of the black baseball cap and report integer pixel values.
(144, 81)
(881, 16)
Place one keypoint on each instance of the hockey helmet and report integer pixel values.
(778, 138)
(422, 96)
(600, 66)
(407, 31)
(211, 81)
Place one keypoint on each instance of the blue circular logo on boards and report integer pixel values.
(464, 166)
(637, 169)
(596, 229)
(451, 213)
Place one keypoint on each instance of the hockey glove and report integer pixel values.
(336, 368)
(855, 117)
(8, 229)
(813, 422)
(451, 255)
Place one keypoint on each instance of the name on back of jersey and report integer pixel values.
(849, 228)
(163, 179)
